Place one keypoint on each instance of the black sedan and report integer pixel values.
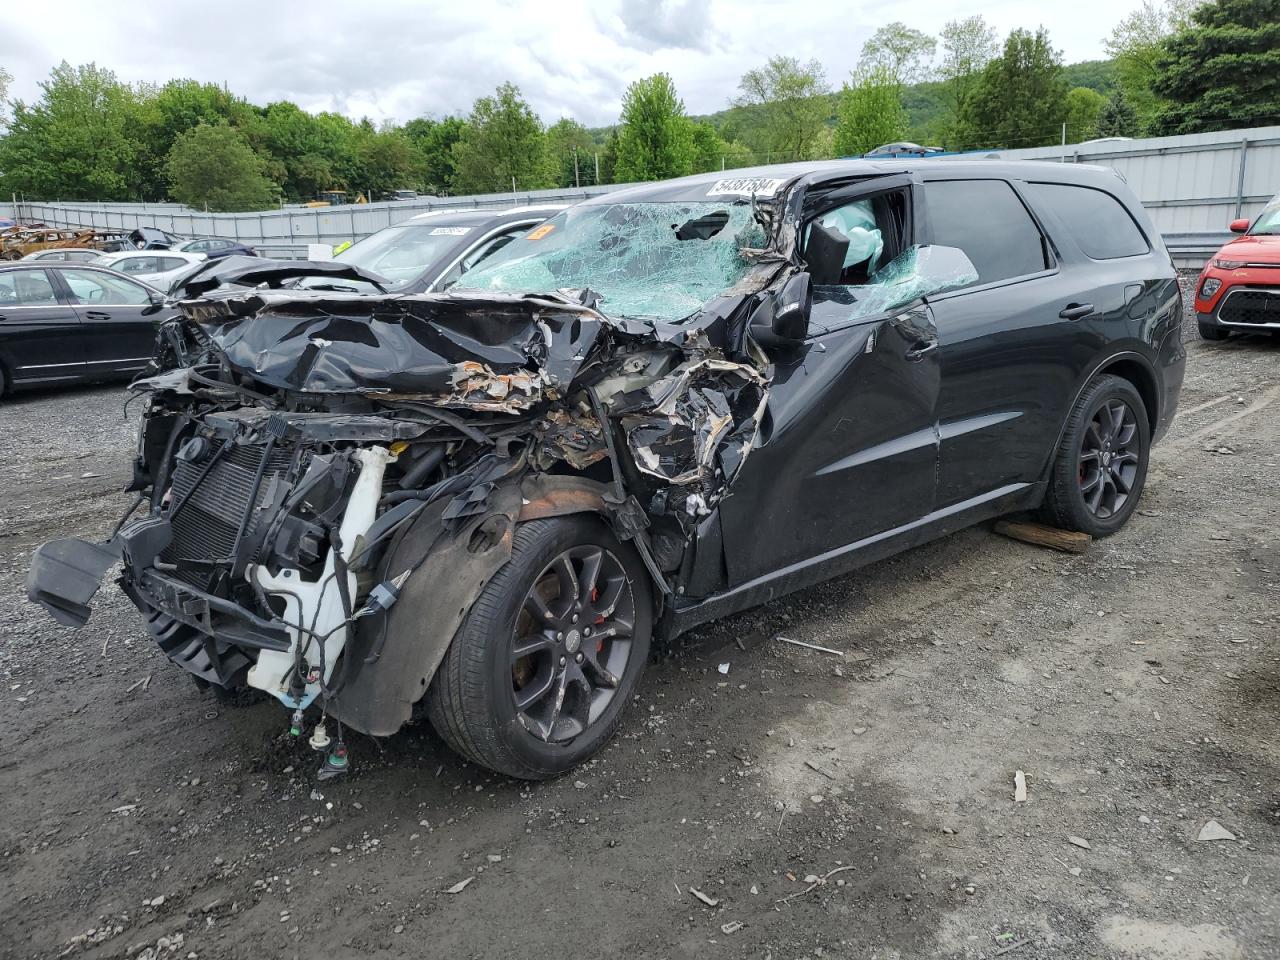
(662, 406)
(61, 323)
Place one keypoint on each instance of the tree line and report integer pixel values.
(1177, 66)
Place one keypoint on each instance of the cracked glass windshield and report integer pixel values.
(658, 261)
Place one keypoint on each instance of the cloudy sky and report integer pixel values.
(395, 59)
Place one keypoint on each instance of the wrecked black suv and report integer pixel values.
(664, 405)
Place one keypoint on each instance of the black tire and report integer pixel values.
(472, 701)
(1210, 332)
(1117, 461)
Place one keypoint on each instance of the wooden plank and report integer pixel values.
(1068, 541)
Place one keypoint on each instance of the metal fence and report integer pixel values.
(282, 233)
(1192, 186)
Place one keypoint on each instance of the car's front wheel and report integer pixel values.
(539, 673)
(1101, 464)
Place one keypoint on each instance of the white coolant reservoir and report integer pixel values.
(319, 602)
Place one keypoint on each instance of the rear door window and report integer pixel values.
(988, 221)
(26, 288)
(1096, 220)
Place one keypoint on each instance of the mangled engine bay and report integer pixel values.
(305, 454)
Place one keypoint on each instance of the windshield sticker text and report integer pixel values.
(746, 187)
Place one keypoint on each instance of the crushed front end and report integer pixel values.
(306, 457)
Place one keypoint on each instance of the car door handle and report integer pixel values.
(97, 315)
(922, 349)
(1075, 311)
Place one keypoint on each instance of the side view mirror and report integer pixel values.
(1239, 226)
(783, 319)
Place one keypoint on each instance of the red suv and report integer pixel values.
(1239, 289)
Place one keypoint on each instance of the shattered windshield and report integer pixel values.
(646, 260)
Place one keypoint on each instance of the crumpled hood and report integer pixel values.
(483, 352)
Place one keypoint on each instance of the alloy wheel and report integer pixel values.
(1109, 459)
(572, 643)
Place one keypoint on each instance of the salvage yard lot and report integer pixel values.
(1138, 687)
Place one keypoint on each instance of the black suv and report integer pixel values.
(662, 406)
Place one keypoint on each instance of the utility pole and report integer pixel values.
(577, 180)
(597, 168)
(1064, 141)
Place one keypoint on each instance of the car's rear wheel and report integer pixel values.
(1210, 332)
(1101, 464)
(538, 675)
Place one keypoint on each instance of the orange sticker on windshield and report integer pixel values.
(539, 232)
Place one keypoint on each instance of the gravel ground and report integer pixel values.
(1136, 685)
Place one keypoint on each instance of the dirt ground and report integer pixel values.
(1137, 686)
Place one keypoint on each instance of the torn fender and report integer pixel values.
(391, 670)
(394, 657)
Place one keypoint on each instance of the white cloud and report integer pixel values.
(397, 59)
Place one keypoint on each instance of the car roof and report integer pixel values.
(485, 218)
(697, 187)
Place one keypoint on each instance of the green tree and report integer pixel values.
(503, 140)
(1222, 70)
(387, 161)
(792, 100)
(434, 140)
(713, 152)
(904, 53)
(870, 111)
(304, 154)
(1136, 44)
(1118, 118)
(656, 138)
(1084, 107)
(6, 78)
(214, 167)
(968, 45)
(609, 158)
(175, 108)
(79, 141)
(1021, 99)
(567, 141)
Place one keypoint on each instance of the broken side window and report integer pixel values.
(658, 261)
(862, 265)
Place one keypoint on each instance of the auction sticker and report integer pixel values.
(449, 231)
(747, 187)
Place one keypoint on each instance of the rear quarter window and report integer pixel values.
(987, 220)
(1098, 222)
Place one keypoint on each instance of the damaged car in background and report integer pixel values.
(662, 406)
